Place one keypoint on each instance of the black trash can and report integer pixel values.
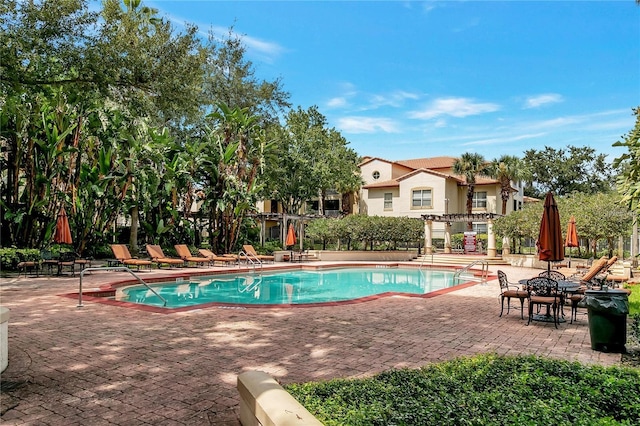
(607, 310)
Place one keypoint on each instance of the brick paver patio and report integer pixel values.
(109, 365)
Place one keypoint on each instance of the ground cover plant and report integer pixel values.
(486, 389)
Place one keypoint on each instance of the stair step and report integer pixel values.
(446, 259)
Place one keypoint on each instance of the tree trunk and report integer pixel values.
(133, 236)
(470, 206)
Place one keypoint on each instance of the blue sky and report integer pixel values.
(409, 79)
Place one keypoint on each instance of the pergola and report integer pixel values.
(282, 219)
(458, 217)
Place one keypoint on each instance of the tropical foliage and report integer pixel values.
(113, 114)
(629, 180)
(507, 169)
(470, 165)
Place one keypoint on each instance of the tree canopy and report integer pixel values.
(114, 114)
(629, 179)
(598, 217)
(563, 171)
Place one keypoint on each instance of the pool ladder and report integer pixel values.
(483, 276)
(116, 268)
(250, 258)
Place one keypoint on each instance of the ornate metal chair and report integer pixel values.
(507, 291)
(554, 275)
(543, 291)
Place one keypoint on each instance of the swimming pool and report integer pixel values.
(299, 287)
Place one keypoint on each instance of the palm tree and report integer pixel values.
(470, 165)
(507, 169)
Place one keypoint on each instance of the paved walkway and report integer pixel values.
(109, 365)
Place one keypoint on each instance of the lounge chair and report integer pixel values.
(122, 255)
(587, 281)
(25, 265)
(157, 256)
(184, 252)
(67, 260)
(213, 258)
(252, 254)
(49, 261)
(615, 280)
(596, 268)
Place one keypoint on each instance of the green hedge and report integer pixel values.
(10, 257)
(487, 389)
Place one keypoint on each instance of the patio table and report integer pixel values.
(565, 287)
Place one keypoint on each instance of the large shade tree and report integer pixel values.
(563, 171)
(308, 159)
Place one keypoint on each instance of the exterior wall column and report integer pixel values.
(506, 246)
(428, 244)
(634, 243)
(447, 237)
(491, 239)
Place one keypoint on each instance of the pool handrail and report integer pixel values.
(250, 258)
(484, 275)
(115, 268)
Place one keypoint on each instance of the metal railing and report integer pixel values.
(250, 258)
(424, 257)
(483, 276)
(116, 268)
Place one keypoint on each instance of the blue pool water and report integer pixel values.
(290, 287)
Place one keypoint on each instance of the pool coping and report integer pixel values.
(108, 290)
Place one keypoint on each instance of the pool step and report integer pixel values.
(458, 259)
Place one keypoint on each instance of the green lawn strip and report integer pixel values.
(482, 390)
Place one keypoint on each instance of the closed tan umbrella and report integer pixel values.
(550, 243)
(63, 231)
(572, 236)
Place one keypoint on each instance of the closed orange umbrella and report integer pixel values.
(572, 236)
(550, 244)
(63, 231)
(291, 236)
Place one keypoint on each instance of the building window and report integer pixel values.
(480, 228)
(421, 198)
(388, 201)
(480, 200)
(331, 205)
(376, 175)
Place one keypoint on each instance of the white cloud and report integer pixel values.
(336, 102)
(266, 50)
(503, 139)
(455, 107)
(543, 99)
(394, 99)
(356, 124)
